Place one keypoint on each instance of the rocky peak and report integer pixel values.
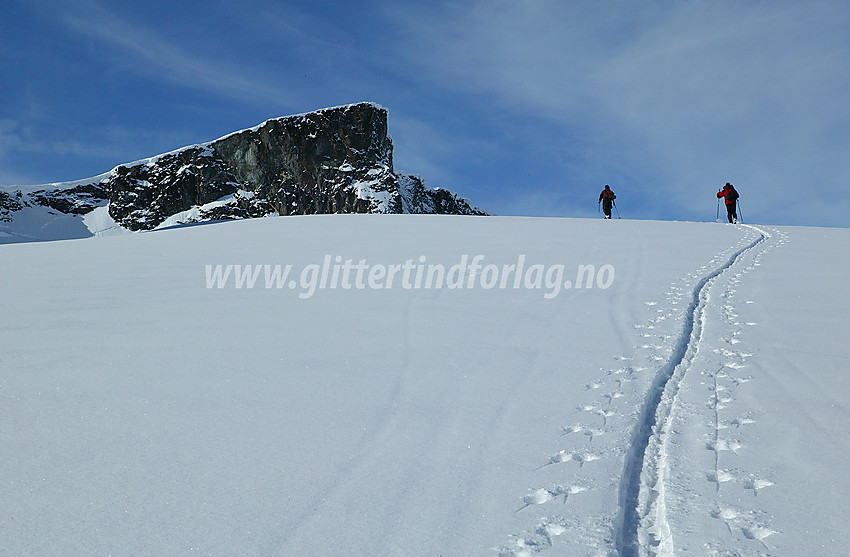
(336, 160)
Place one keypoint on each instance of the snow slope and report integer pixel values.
(695, 406)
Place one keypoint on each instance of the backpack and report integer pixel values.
(732, 194)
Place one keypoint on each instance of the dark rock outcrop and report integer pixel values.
(143, 195)
(78, 200)
(336, 160)
(10, 202)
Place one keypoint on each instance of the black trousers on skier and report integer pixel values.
(731, 211)
(606, 207)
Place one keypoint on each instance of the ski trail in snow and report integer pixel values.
(642, 527)
(726, 436)
(609, 415)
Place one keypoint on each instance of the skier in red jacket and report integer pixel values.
(731, 196)
(607, 198)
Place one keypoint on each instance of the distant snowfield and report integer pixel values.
(698, 405)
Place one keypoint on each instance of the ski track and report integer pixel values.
(728, 428)
(641, 529)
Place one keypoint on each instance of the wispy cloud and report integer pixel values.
(429, 151)
(98, 150)
(526, 107)
(164, 59)
(21, 138)
(695, 92)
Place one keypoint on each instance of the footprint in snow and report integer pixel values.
(605, 414)
(758, 533)
(738, 422)
(719, 476)
(627, 371)
(542, 538)
(557, 458)
(727, 515)
(581, 458)
(723, 401)
(549, 530)
(521, 550)
(610, 397)
(564, 456)
(719, 445)
(536, 497)
(739, 380)
(540, 496)
(756, 484)
(560, 456)
(591, 433)
(588, 432)
(572, 429)
(567, 490)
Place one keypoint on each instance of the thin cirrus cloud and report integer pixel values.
(693, 93)
(525, 107)
(162, 59)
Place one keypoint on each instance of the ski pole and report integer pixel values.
(740, 213)
(615, 208)
(717, 218)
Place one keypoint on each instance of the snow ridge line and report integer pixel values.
(642, 527)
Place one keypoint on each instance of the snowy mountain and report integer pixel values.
(336, 160)
(464, 386)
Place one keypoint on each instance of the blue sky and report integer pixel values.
(525, 107)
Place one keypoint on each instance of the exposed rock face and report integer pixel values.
(9, 204)
(337, 160)
(75, 201)
(143, 195)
